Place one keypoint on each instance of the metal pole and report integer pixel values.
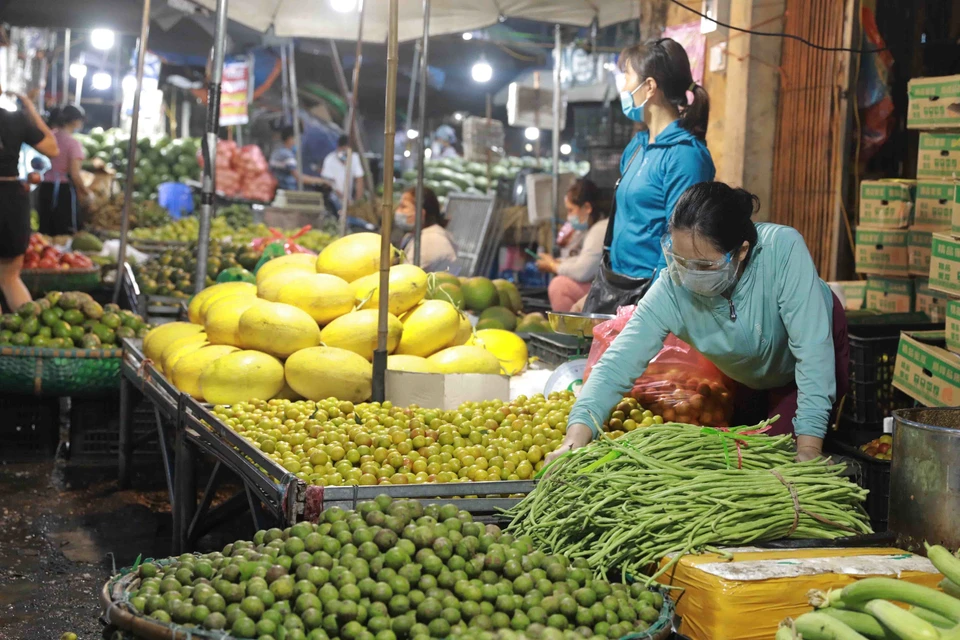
(117, 84)
(555, 192)
(131, 145)
(386, 249)
(65, 100)
(208, 193)
(351, 128)
(414, 72)
(422, 125)
(284, 84)
(42, 84)
(295, 104)
(345, 91)
(186, 113)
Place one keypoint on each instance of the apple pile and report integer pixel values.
(880, 448)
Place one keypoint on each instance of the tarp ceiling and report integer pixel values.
(317, 18)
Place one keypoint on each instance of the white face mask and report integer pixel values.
(710, 284)
(400, 221)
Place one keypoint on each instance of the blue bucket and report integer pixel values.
(175, 197)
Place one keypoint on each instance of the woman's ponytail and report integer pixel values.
(694, 117)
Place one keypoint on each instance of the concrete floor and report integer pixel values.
(62, 528)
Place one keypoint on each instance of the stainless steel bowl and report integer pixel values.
(576, 324)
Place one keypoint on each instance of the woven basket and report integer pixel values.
(119, 613)
(60, 372)
(40, 281)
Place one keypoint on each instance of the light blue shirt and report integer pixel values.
(783, 332)
(648, 193)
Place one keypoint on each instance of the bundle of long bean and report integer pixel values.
(619, 507)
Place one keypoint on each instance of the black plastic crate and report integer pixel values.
(554, 349)
(30, 427)
(95, 429)
(873, 354)
(601, 125)
(605, 166)
(874, 477)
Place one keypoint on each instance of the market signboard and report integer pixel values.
(236, 91)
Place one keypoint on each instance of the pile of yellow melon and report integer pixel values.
(308, 329)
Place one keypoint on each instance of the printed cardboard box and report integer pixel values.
(890, 295)
(926, 371)
(852, 293)
(882, 252)
(945, 264)
(953, 326)
(937, 206)
(939, 156)
(930, 302)
(887, 204)
(918, 252)
(934, 103)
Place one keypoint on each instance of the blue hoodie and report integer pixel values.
(648, 192)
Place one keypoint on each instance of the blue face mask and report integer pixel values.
(630, 110)
(577, 224)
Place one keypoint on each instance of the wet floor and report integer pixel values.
(63, 528)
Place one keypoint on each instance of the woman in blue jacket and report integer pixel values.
(660, 163)
(747, 296)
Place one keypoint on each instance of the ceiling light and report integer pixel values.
(101, 81)
(78, 70)
(343, 6)
(531, 133)
(482, 71)
(102, 39)
(412, 134)
(528, 147)
(468, 35)
(565, 149)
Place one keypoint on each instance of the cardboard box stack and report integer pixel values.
(927, 366)
(888, 249)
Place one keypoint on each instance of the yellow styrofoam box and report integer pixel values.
(747, 596)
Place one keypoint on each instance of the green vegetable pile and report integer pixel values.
(69, 320)
(188, 230)
(392, 569)
(172, 272)
(625, 504)
(866, 609)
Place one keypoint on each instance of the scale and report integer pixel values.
(569, 375)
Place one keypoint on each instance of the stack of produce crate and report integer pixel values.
(926, 370)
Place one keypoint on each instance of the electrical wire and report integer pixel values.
(772, 34)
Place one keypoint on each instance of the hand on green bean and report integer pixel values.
(578, 435)
(809, 448)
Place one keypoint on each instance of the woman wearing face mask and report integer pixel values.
(60, 196)
(663, 160)
(438, 252)
(577, 268)
(747, 296)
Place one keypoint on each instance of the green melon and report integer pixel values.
(479, 294)
(449, 292)
(533, 326)
(502, 315)
(441, 277)
(489, 323)
(509, 295)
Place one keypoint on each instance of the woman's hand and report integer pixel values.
(547, 263)
(578, 435)
(809, 448)
(578, 305)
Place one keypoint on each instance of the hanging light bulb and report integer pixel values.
(102, 39)
(78, 70)
(531, 133)
(343, 6)
(101, 81)
(412, 134)
(565, 149)
(482, 71)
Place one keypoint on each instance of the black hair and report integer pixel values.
(665, 61)
(431, 207)
(583, 191)
(719, 213)
(343, 140)
(60, 116)
(286, 133)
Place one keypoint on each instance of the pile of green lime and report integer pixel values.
(392, 569)
(66, 320)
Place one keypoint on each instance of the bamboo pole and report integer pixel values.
(422, 124)
(352, 128)
(208, 195)
(131, 145)
(555, 140)
(386, 225)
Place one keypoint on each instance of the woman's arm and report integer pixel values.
(48, 144)
(583, 266)
(77, 178)
(622, 363)
(809, 324)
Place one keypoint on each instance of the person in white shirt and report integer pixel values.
(444, 139)
(335, 170)
(438, 252)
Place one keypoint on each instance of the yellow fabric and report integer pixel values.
(721, 608)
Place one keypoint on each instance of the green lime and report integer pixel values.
(244, 627)
(215, 621)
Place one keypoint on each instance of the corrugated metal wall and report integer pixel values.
(812, 127)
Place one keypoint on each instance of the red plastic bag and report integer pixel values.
(289, 245)
(681, 385)
(603, 336)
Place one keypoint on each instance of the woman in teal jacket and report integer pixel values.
(661, 162)
(747, 296)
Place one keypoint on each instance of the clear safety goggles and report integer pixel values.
(691, 264)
